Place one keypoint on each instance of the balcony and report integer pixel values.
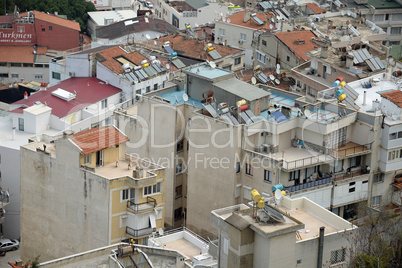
(134, 207)
(351, 149)
(307, 185)
(294, 158)
(136, 233)
(349, 174)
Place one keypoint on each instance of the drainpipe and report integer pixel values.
(320, 247)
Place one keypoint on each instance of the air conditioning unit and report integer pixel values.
(71, 74)
(138, 98)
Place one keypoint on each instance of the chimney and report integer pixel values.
(324, 51)
(247, 16)
(25, 95)
(364, 98)
(349, 60)
(67, 134)
(320, 247)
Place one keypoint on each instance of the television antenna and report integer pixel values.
(253, 80)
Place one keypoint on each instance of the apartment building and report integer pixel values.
(194, 12)
(352, 50)
(92, 194)
(240, 29)
(299, 233)
(313, 150)
(4, 201)
(99, 19)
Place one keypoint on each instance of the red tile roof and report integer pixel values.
(294, 41)
(315, 8)
(23, 54)
(97, 139)
(114, 52)
(195, 49)
(55, 20)
(397, 183)
(238, 19)
(394, 96)
(89, 90)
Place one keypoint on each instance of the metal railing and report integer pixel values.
(308, 184)
(139, 232)
(351, 150)
(313, 160)
(142, 206)
(347, 175)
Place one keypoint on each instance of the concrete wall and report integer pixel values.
(59, 199)
(343, 194)
(25, 73)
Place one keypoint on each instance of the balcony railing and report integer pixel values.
(313, 160)
(341, 152)
(139, 232)
(349, 174)
(308, 184)
(149, 204)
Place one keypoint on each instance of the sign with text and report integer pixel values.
(20, 35)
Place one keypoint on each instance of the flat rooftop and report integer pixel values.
(122, 169)
(176, 98)
(207, 71)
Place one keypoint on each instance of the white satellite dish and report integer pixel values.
(185, 97)
(196, 25)
(307, 113)
(228, 20)
(212, 64)
(271, 26)
(160, 231)
(168, 66)
(278, 71)
(278, 66)
(148, 36)
(253, 80)
(224, 19)
(277, 81)
(271, 77)
(155, 43)
(278, 194)
(221, 14)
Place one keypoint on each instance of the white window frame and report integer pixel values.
(104, 104)
(152, 189)
(261, 57)
(267, 176)
(87, 159)
(243, 37)
(126, 194)
(376, 201)
(222, 32)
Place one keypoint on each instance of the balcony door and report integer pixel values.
(99, 158)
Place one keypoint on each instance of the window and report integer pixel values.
(3, 63)
(50, 28)
(180, 146)
(392, 136)
(104, 103)
(16, 64)
(378, 178)
(177, 214)
(43, 29)
(156, 86)
(243, 37)
(237, 61)
(127, 194)
(399, 134)
(4, 75)
(312, 91)
(153, 189)
(396, 30)
(87, 159)
(376, 201)
(267, 176)
(56, 75)
(14, 75)
(247, 192)
(179, 191)
(354, 161)
(261, 57)
(148, 89)
(338, 256)
(249, 170)
(287, 58)
(395, 154)
(179, 168)
(38, 76)
(221, 32)
(107, 121)
(378, 17)
(386, 16)
(295, 175)
(237, 167)
(21, 124)
(397, 17)
(264, 43)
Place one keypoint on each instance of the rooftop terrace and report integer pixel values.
(207, 71)
(175, 97)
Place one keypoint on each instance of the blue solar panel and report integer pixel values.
(278, 116)
(168, 49)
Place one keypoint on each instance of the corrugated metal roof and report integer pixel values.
(242, 89)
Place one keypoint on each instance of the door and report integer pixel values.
(99, 158)
(324, 72)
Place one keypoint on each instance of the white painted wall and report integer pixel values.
(321, 196)
(342, 196)
(25, 73)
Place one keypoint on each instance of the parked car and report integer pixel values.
(9, 244)
(149, 4)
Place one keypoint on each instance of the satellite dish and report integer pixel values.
(278, 66)
(307, 113)
(271, 26)
(168, 66)
(271, 77)
(228, 20)
(278, 71)
(224, 19)
(221, 14)
(277, 81)
(148, 36)
(160, 231)
(343, 13)
(212, 64)
(253, 80)
(196, 25)
(278, 194)
(155, 42)
(185, 97)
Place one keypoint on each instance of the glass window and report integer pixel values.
(396, 30)
(153, 189)
(179, 191)
(56, 75)
(179, 168)
(261, 57)
(222, 32)
(87, 159)
(16, 64)
(104, 103)
(14, 75)
(249, 169)
(392, 136)
(376, 201)
(180, 146)
(50, 28)
(237, 61)
(264, 43)
(21, 124)
(267, 176)
(238, 167)
(243, 37)
(338, 256)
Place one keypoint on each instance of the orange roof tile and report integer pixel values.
(56, 20)
(22, 54)
(96, 139)
(315, 8)
(195, 49)
(114, 52)
(238, 19)
(394, 96)
(290, 39)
